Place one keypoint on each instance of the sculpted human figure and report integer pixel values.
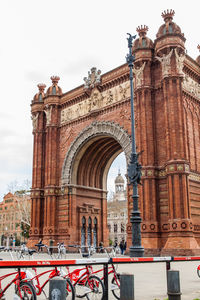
(34, 119)
(179, 61)
(165, 63)
(48, 114)
(139, 75)
(87, 83)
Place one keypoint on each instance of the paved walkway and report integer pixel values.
(150, 278)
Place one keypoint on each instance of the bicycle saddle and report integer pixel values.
(85, 255)
(31, 251)
(39, 245)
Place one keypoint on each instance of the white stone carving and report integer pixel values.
(179, 62)
(48, 111)
(165, 61)
(93, 79)
(34, 119)
(96, 101)
(139, 75)
(191, 86)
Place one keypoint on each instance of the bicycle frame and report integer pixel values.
(39, 287)
(82, 278)
(18, 278)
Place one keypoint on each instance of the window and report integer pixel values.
(122, 227)
(115, 227)
(109, 227)
(122, 214)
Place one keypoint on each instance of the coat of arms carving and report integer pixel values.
(93, 79)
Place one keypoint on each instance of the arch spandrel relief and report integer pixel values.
(191, 86)
(97, 100)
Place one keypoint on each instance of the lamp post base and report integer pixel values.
(136, 251)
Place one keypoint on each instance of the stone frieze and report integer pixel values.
(191, 86)
(96, 101)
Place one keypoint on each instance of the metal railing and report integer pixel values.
(96, 261)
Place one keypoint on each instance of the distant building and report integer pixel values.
(117, 212)
(13, 210)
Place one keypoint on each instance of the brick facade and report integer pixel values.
(78, 134)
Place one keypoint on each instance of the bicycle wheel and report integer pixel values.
(115, 286)
(198, 270)
(80, 288)
(26, 291)
(70, 290)
(95, 287)
(19, 254)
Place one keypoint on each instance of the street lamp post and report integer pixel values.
(134, 168)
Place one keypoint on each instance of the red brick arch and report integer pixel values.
(93, 151)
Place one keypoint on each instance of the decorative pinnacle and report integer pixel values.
(168, 15)
(142, 30)
(41, 87)
(198, 47)
(55, 79)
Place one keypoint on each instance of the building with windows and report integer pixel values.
(117, 212)
(14, 209)
(78, 133)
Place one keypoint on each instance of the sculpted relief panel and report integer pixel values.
(96, 101)
(191, 86)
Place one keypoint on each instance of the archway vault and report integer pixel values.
(90, 155)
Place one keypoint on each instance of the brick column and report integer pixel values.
(37, 193)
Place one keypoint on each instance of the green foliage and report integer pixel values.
(110, 242)
(25, 230)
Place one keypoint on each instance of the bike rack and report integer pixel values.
(95, 261)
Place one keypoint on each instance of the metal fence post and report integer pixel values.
(105, 276)
(57, 288)
(173, 285)
(127, 287)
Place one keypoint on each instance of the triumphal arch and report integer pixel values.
(78, 134)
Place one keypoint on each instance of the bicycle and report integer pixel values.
(85, 283)
(198, 270)
(39, 288)
(24, 251)
(49, 249)
(53, 273)
(115, 281)
(61, 251)
(23, 289)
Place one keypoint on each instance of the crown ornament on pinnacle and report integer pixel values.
(168, 15)
(55, 79)
(41, 87)
(142, 30)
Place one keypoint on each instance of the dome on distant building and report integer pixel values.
(40, 95)
(119, 178)
(198, 57)
(169, 27)
(143, 41)
(54, 89)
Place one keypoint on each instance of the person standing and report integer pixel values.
(121, 245)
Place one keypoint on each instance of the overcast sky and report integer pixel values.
(42, 38)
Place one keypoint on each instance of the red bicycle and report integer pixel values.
(112, 270)
(198, 270)
(23, 288)
(35, 279)
(85, 283)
